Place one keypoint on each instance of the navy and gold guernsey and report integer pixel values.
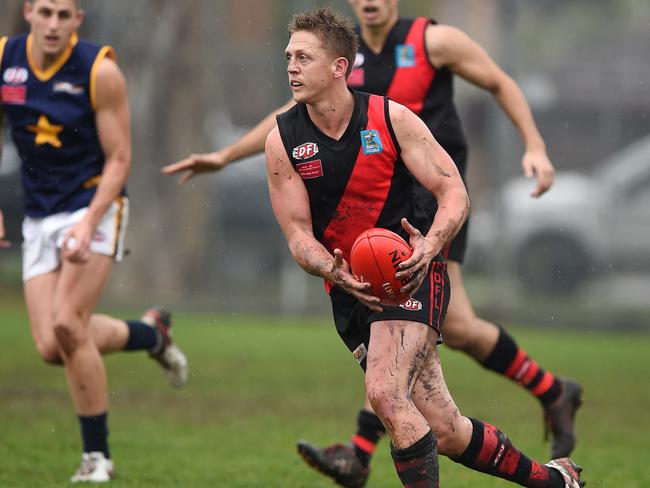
(52, 118)
(356, 182)
(402, 72)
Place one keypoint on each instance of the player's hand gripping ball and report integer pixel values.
(374, 259)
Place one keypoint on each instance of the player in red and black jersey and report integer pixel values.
(338, 173)
(355, 182)
(341, 161)
(413, 61)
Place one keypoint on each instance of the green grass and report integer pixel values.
(259, 384)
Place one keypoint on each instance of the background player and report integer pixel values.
(413, 62)
(351, 186)
(65, 102)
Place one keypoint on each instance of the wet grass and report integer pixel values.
(259, 384)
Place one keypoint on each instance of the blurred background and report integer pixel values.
(201, 72)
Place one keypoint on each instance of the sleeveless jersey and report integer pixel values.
(402, 72)
(52, 118)
(355, 183)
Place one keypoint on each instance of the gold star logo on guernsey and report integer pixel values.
(46, 133)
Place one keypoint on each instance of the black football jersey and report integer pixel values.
(402, 72)
(354, 183)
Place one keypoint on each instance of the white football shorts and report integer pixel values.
(43, 237)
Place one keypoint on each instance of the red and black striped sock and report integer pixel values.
(369, 431)
(417, 465)
(512, 361)
(490, 451)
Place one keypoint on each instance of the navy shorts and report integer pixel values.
(428, 306)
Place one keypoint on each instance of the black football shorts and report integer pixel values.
(428, 306)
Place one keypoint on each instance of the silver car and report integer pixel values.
(586, 226)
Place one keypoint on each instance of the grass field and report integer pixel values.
(258, 384)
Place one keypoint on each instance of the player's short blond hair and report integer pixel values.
(334, 30)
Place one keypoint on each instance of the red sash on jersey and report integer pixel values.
(410, 85)
(367, 188)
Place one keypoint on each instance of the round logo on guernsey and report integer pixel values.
(15, 75)
(359, 60)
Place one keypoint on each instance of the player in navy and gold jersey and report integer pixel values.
(340, 162)
(65, 102)
(413, 61)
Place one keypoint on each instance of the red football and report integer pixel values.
(374, 258)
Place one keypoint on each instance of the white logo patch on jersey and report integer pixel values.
(359, 60)
(305, 151)
(16, 75)
(65, 87)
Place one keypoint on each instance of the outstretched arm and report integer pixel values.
(112, 120)
(249, 144)
(448, 46)
(435, 170)
(291, 208)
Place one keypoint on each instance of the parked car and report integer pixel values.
(586, 226)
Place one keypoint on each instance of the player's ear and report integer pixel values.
(27, 11)
(340, 67)
(79, 17)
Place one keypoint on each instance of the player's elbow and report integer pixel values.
(460, 201)
(501, 84)
(466, 203)
(120, 163)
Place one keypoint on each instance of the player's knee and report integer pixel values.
(458, 342)
(385, 398)
(49, 352)
(68, 335)
(457, 332)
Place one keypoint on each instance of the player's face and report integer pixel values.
(309, 65)
(374, 13)
(52, 23)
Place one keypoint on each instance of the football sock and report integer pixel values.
(141, 336)
(490, 451)
(94, 433)
(369, 431)
(512, 361)
(417, 465)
